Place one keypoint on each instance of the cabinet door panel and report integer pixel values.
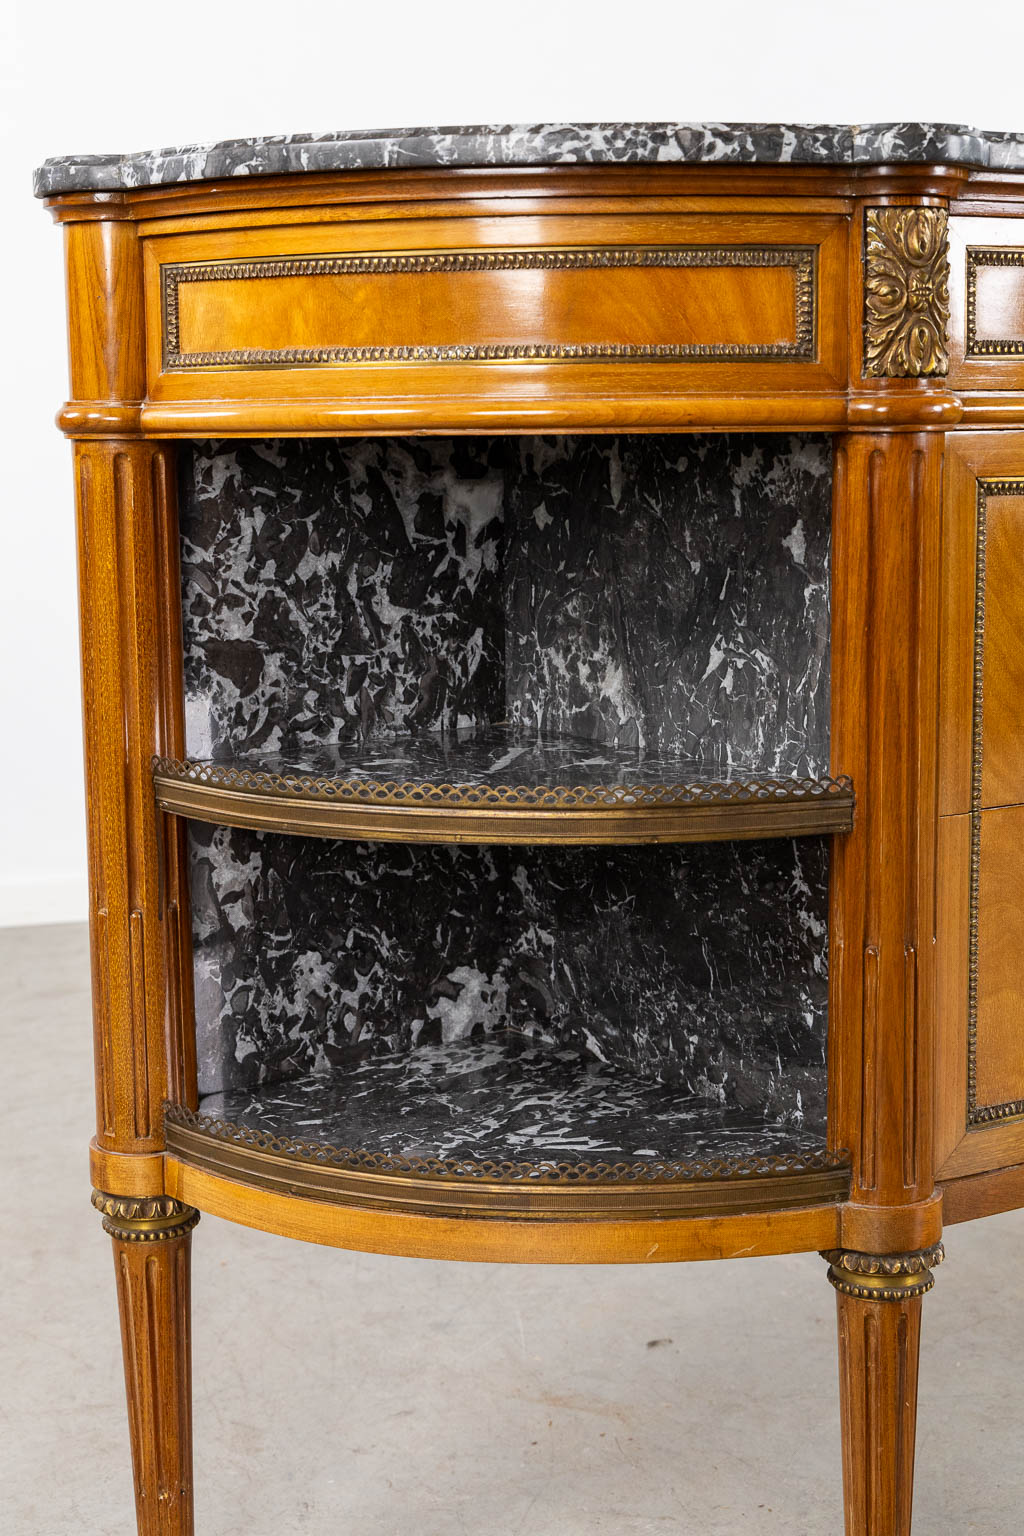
(1001, 637)
(999, 921)
(980, 915)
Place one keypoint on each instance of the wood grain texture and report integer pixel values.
(610, 405)
(1002, 746)
(999, 1050)
(153, 1288)
(980, 756)
(132, 706)
(959, 571)
(288, 199)
(983, 1194)
(622, 298)
(891, 1229)
(105, 308)
(119, 486)
(884, 733)
(492, 1240)
(879, 1344)
(126, 1173)
(953, 983)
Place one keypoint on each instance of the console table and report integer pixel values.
(550, 614)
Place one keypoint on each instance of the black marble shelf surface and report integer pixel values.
(527, 144)
(519, 765)
(507, 1098)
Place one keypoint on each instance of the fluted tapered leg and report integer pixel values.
(152, 1240)
(879, 1314)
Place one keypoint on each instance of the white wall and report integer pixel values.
(126, 75)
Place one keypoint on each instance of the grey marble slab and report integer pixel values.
(500, 756)
(505, 1098)
(701, 966)
(539, 144)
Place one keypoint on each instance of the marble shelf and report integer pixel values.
(498, 1121)
(494, 785)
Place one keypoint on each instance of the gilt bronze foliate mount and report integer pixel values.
(906, 293)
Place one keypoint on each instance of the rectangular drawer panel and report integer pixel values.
(620, 302)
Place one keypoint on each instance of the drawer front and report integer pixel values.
(612, 304)
(343, 310)
(986, 303)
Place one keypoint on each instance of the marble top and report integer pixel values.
(537, 144)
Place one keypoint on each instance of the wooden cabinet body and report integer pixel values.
(880, 304)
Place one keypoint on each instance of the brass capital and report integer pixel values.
(883, 1276)
(144, 1219)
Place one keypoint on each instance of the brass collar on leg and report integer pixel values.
(883, 1277)
(153, 1219)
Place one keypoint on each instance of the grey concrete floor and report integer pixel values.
(343, 1394)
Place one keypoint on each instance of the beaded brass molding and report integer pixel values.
(980, 1114)
(802, 260)
(883, 1277)
(906, 292)
(461, 1186)
(421, 811)
(153, 1219)
(983, 256)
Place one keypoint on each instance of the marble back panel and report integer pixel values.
(672, 593)
(339, 589)
(702, 966)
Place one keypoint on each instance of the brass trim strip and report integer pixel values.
(802, 260)
(393, 1185)
(429, 813)
(984, 256)
(981, 1114)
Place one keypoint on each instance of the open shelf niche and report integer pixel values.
(636, 627)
